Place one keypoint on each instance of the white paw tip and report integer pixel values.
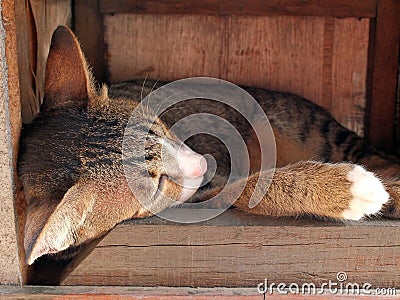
(368, 194)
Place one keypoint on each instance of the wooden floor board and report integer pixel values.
(241, 250)
(159, 293)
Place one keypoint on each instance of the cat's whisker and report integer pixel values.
(151, 91)
(144, 83)
(141, 94)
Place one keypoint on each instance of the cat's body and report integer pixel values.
(302, 129)
(70, 162)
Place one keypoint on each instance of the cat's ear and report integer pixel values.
(67, 78)
(60, 230)
(87, 211)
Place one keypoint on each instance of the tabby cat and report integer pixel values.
(71, 163)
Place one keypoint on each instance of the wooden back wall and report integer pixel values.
(321, 58)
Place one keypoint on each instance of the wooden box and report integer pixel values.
(341, 54)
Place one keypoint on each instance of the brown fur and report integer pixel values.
(303, 199)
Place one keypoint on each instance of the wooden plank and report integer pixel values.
(349, 72)
(382, 77)
(158, 293)
(333, 8)
(277, 53)
(10, 126)
(142, 46)
(161, 293)
(327, 63)
(88, 26)
(240, 250)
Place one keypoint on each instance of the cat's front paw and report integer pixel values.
(369, 194)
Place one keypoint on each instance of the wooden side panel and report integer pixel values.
(240, 250)
(165, 48)
(10, 125)
(382, 81)
(37, 21)
(322, 59)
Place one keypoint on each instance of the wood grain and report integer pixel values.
(333, 8)
(240, 250)
(382, 77)
(349, 72)
(277, 53)
(327, 63)
(164, 48)
(321, 59)
(10, 125)
(158, 293)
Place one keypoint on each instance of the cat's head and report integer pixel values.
(158, 167)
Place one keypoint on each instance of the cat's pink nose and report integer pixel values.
(191, 163)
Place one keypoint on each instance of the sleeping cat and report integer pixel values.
(71, 163)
